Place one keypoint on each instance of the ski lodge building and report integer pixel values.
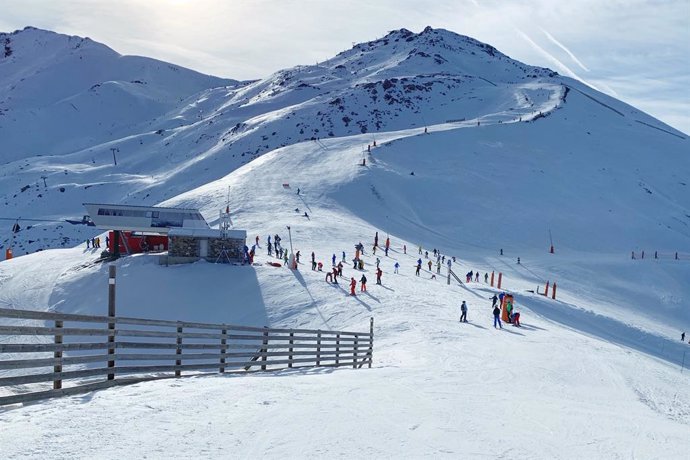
(184, 233)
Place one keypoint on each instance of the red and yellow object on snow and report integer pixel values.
(507, 306)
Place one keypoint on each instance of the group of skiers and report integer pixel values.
(513, 316)
(95, 242)
(475, 275)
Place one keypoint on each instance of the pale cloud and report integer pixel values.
(624, 43)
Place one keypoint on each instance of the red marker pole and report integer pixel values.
(553, 295)
(546, 291)
(492, 279)
(500, 278)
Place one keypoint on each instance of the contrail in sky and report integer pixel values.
(562, 46)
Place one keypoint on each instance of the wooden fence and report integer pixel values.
(90, 357)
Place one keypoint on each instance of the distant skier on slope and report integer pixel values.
(396, 266)
(379, 272)
(463, 311)
(493, 299)
(497, 317)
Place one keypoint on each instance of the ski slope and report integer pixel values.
(596, 373)
(585, 377)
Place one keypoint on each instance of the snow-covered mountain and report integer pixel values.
(475, 153)
(400, 81)
(62, 93)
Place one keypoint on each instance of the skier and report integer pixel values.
(340, 269)
(501, 251)
(397, 266)
(88, 242)
(333, 259)
(329, 275)
(297, 256)
(419, 267)
(353, 285)
(376, 239)
(518, 261)
(434, 252)
(107, 241)
(494, 299)
(363, 280)
(313, 261)
(335, 275)
(320, 266)
(497, 318)
(379, 272)
(438, 268)
(268, 240)
(429, 264)
(463, 310)
(486, 277)
(388, 243)
(426, 254)
(386, 251)
(343, 256)
(516, 319)
(443, 259)
(420, 248)
(476, 277)
(682, 337)
(373, 249)
(285, 258)
(404, 249)
(378, 261)
(257, 240)
(298, 190)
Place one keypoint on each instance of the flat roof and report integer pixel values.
(126, 206)
(207, 233)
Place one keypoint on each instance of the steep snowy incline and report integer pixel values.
(62, 93)
(400, 81)
(438, 388)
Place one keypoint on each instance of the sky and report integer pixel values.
(635, 50)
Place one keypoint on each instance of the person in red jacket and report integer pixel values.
(353, 285)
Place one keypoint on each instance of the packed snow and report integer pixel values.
(597, 373)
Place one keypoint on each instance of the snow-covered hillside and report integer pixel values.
(62, 93)
(401, 81)
(510, 153)
(588, 371)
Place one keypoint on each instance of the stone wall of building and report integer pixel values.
(234, 249)
(183, 246)
(189, 247)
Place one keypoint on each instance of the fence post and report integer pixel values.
(643, 254)
(633, 255)
(354, 360)
(337, 348)
(111, 314)
(371, 340)
(656, 255)
(500, 278)
(178, 351)
(292, 334)
(676, 255)
(57, 368)
(264, 350)
(223, 350)
(318, 349)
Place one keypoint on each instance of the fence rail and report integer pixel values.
(154, 349)
(642, 255)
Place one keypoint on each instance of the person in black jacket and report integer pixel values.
(363, 280)
(497, 317)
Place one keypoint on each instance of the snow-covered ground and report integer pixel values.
(588, 376)
(594, 374)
